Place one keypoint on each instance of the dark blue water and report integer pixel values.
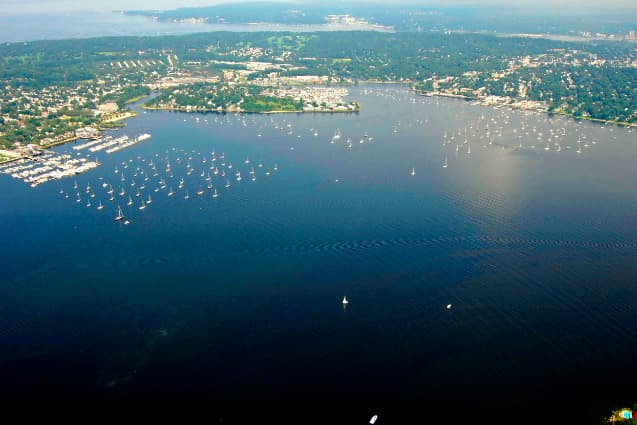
(235, 301)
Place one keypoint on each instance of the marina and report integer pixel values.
(47, 165)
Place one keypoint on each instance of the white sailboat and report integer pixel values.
(413, 172)
(345, 302)
(120, 214)
(130, 201)
(215, 194)
(100, 206)
(446, 164)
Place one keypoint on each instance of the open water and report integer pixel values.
(235, 302)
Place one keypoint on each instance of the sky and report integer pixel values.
(47, 6)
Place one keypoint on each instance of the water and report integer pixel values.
(236, 301)
(23, 27)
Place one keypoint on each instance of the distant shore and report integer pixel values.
(473, 98)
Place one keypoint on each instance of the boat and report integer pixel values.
(142, 206)
(337, 134)
(345, 302)
(200, 191)
(227, 183)
(130, 200)
(170, 192)
(446, 164)
(120, 214)
(100, 206)
(186, 196)
(122, 192)
(149, 200)
(413, 172)
(215, 194)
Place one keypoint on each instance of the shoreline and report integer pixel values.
(512, 106)
(224, 111)
(122, 116)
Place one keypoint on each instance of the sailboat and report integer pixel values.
(149, 200)
(100, 206)
(337, 134)
(227, 183)
(120, 214)
(170, 192)
(142, 206)
(215, 194)
(413, 172)
(345, 302)
(446, 164)
(130, 200)
(186, 196)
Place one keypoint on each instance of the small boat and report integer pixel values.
(120, 214)
(142, 206)
(149, 200)
(215, 194)
(170, 192)
(345, 302)
(100, 206)
(200, 191)
(449, 306)
(413, 172)
(130, 201)
(227, 183)
(446, 164)
(186, 196)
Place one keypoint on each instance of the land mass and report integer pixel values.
(60, 90)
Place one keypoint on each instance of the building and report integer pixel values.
(108, 107)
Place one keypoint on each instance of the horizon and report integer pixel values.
(51, 6)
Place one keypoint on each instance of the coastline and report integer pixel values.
(513, 106)
(231, 111)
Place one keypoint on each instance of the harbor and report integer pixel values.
(37, 166)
